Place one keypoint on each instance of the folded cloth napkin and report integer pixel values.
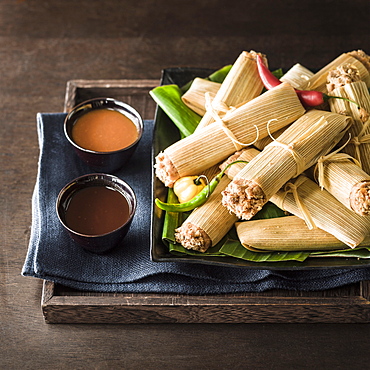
(52, 255)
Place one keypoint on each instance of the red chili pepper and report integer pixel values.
(312, 98)
(309, 98)
(268, 79)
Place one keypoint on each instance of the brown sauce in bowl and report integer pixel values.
(97, 210)
(104, 130)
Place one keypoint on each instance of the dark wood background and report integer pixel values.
(43, 44)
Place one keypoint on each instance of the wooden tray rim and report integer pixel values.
(73, 85)
(130, 308)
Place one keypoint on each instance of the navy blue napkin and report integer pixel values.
(53, 256)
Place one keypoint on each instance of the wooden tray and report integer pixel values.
(60, 304)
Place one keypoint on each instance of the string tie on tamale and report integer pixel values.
(293, 188)
(334, 156)
(300, 162)
(213, 104)
(214, 111)
(361, 138)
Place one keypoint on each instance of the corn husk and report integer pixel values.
(288, 233)
(305, 199)
(241, 85)
(207, 224)
(340, 175)
(359, 146)
(298, 76)
(246, 154)
(195, 99)
(211, 172)
(297, 148)
(260, 144)
(318, 80)
(237, 129)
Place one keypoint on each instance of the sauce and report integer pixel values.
(104, 130)
(96, 210)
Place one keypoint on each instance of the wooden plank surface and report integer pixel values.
(44, 44)
(349, 304)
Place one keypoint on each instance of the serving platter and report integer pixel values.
(165, 133)
(61, 304)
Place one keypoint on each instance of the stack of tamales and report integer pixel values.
(314, 164)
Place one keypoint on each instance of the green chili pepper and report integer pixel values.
(199, 199)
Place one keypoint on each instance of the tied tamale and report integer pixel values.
(240, 127)
(297, 148)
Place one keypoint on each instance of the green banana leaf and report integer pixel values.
(359, 252)
(233, 248)
(168, 97)
(220, 74)
(269, 210)
(278, 73)
(172, 220)
(179, 250)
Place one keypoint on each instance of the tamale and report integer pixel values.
(195, 99)
(318, 80)
(305, 199)
(341, 176)
(345, 82)
(297, 148)
(241, 85)
(207, 224)
(238, 128)
(297, 76)
(288, 233)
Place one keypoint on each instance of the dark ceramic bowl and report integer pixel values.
(100, 243)
(107, 162)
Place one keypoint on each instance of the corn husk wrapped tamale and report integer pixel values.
(297, 148)
(288, 233)
(341, 176)
(238, 128)
(195, 99)
(345, 82)
(241, 85)
(305, 199)
(297, 76)
(318, 80)
(207, 224)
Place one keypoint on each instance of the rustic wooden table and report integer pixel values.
(44, 44)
